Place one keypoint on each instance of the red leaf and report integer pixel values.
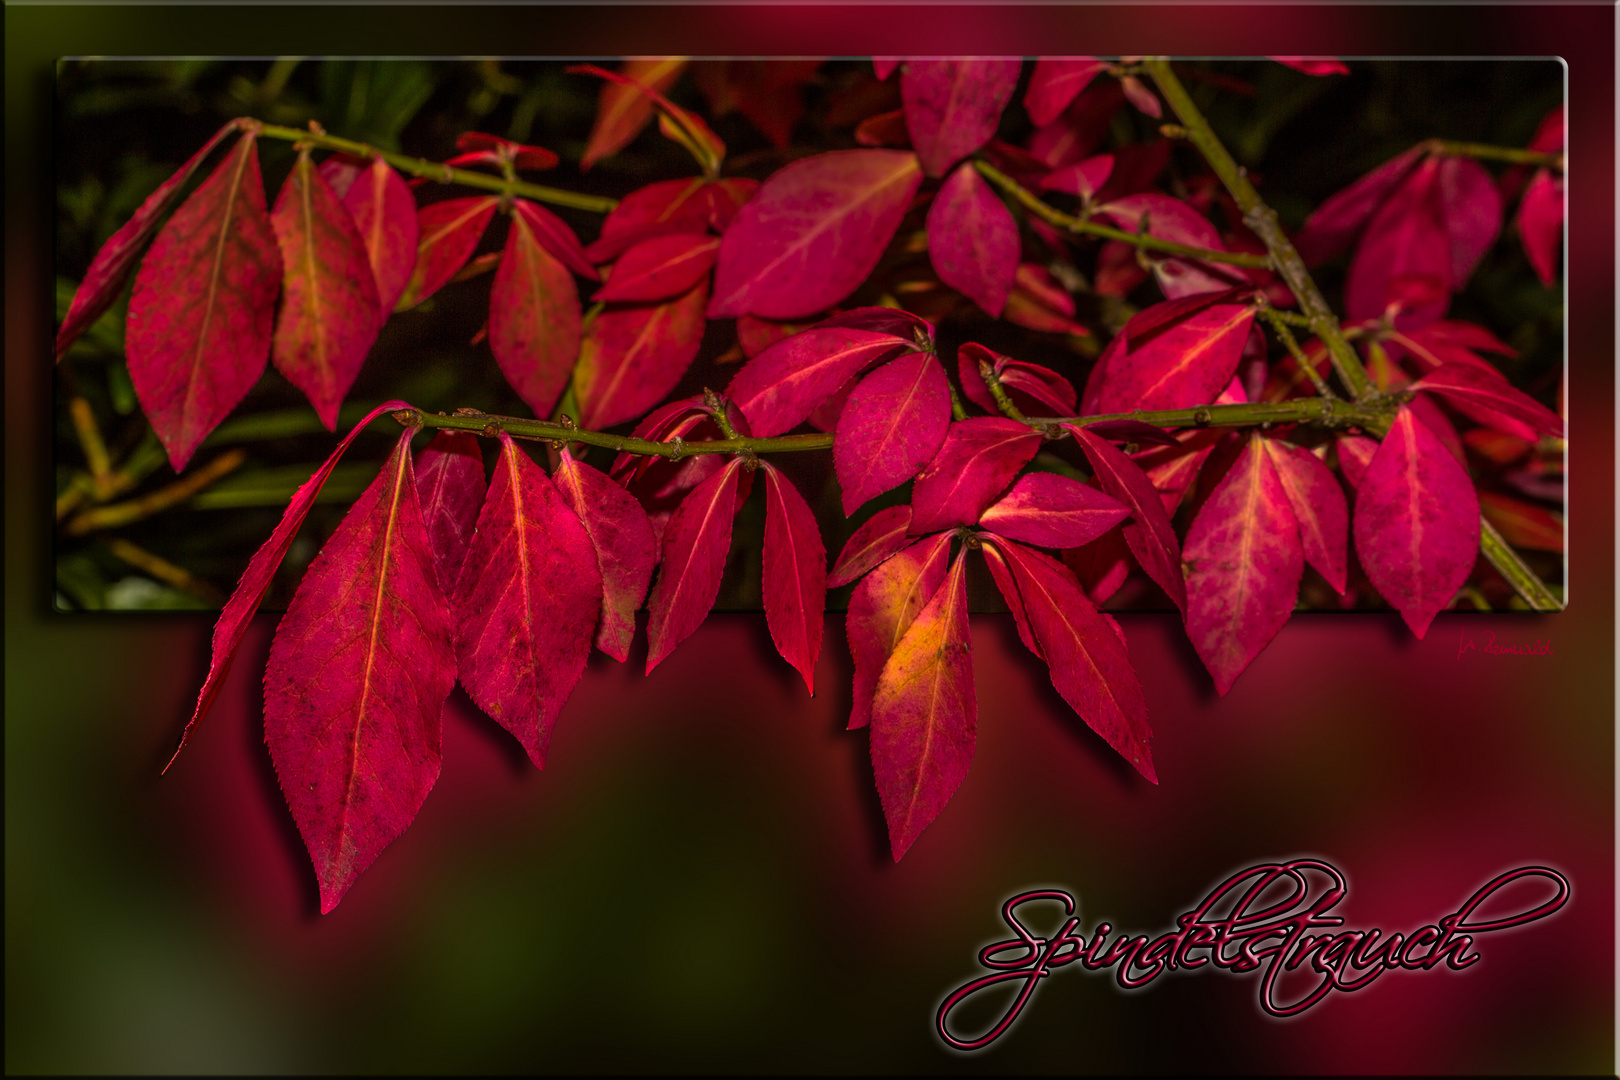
(527, 601)
(795, 569)
(1467, 384)
(1174, 220)
(447, 233)
(199, 324)
(1142, 326)
(954, 105)
(1055, 83)
(975, 463)
(1149, 535)
(329, 311)
(913, 329)
(924, 714)
(883, 607)
(671, 420)
(632, 357)
(261, 569)
(814, 232)
(755, 335)
(1472, 208)
(1081, 127)
(783, 385)
(696, 542)
(662, 209)
(450, 489)
(534, 319)
(522, 156)
(1053, 511)
(111, 267)
(1313, 65)
(883, 66)
(1541, 224)
(1522, 524)
(1024, 382)
(1085, 653)
(661, 268)
(623, 541)
(1083, 178)
(1406, 238)
(1138, 94)
(1329, 230)
(1416, 522)
(385, 215)
(358, 671)
(555, 236)
(1101, 566)
(890, 427)
(973, 240)
(1319, 508)
(1355, 454)
(879, 537)
(1434, 418)
(1188, 364)
(1039, 302)
(1007, 585)
(1244, 561)
(622, 111)
(1118, 273)
(884, 129)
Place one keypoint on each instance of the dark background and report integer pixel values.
(699, 881)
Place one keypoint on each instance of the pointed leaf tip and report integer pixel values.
(696, 543)
(625, 549)
(795, 575)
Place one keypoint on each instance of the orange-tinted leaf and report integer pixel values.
(883, 607)
(622, 111)
(447, 233)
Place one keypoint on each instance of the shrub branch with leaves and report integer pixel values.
(442, 572)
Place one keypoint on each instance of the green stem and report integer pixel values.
(1546, 159)
(1060, 220)
(1279, 326)
(999, 392)
(442, 173)
(1520, 576)
(1262, 219)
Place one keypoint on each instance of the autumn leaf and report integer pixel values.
(976, 461)
(695, 542)
(1032, 387)
(200, 318)
(447, 233)
(973, 240)
(384, 212)
(358, 671)
(660, 268)
(953, 105)
(623, 541)
(527, 602)
(924, 714)
(1319, 508)
(890, 427)
(632, 356)
(1053, 511)
(879, 536)
(450, 489)
(882, 608)
(782, 386)
(795, 575)
(1187, 364)
(622, 111)
(1056, 81)
(534, 318)
(1149, 534)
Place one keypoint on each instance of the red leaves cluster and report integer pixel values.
(434, 577)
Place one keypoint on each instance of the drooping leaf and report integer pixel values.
(1053, 511)
(553, 234)
(1055, 83)
(1319, 508)
(1001, 573)
(924, 714)
(1084, 651)
(625, 550)
(1471, 385)
(358, 671)
(814, 231)
(795, 575)
(111, 267)
(1244, 561)
(385, 215)
(1541, 224)
(1416, 522)
(1173, 469)
(883, 607)
(973, 240)
(1334, 225)
(782, 386)
(534, 318)
(1187, 364)
(199, 324)
(622, 111)
(879, 537)
(660, 268)
(261, 569)
(673, 419)
(695, 542)
(527, 602)
(1149, 534)
(1434, 418)
(631, 357)
(1101, 566)
(953, 105)
(447, 233)
(976, 461)
(1406, 238)
(1472, 208)
(450, 489)
(1081, 127)
(890, 427)
(329, 310)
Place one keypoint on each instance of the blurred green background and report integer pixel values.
(699, 881)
